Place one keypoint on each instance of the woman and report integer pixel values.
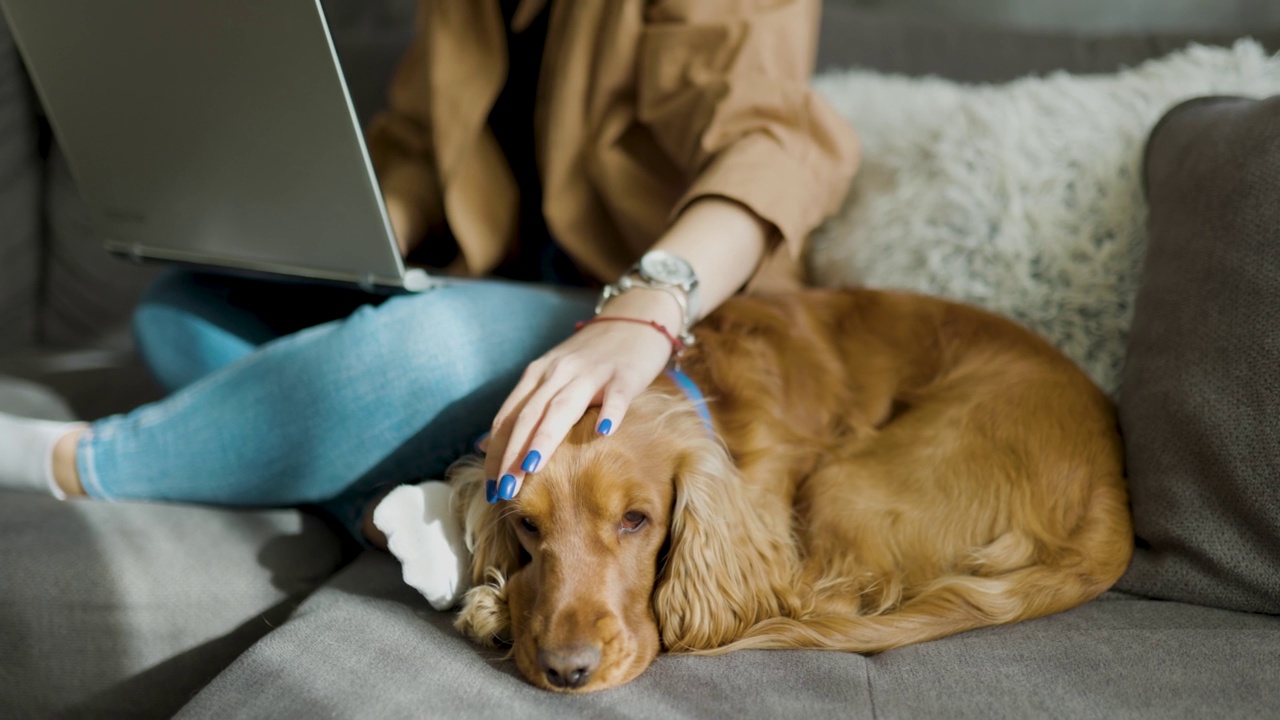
(546, 146)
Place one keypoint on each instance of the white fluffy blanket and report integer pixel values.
(1024, 198)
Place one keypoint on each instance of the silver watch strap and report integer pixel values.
(628, 282)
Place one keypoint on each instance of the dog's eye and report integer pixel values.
(529, 526)
(633, 521)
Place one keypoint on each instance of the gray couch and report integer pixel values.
(136, 610)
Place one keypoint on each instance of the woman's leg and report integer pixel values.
(186, 326)
(391, 394)
(190, 324)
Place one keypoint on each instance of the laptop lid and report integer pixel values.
(214, 132)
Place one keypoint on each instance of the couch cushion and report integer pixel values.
(126, 610)
(366, 645)
(1200, 403)
(1116, 657)
(1024, 198)
(19, 201)
(28, 399)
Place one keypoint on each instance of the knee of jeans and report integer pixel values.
(171, 289)
(175, 342)
(159, 333)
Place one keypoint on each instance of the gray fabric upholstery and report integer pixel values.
(366, 646)
(1095, 16)
(19, 201)
(1116, 657)
(27, 399)
(924, 45)
(89, 293)
(121, 610)
(1200, 398)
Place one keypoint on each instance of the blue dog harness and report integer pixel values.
(691, 391)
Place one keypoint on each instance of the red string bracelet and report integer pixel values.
(677, 346)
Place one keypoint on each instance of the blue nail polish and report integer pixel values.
(507, 488)
(606, 427)
(491, 491)
(476, 444)
(531, 461)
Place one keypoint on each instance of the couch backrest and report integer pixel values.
(1088, 16)
(971, 45)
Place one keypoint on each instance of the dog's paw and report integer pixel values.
(485, 616)
(423, 534)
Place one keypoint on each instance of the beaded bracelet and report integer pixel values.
(677, 345)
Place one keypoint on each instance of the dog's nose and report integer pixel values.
(569, 667)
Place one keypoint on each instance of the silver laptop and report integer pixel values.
(213, 132)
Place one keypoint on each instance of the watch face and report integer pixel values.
(667, 268)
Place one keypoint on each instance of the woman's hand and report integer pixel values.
(610, 363)
(606, 364)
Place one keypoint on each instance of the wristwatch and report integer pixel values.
(661, 270)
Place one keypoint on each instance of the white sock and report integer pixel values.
(427, 539)
(26, 453)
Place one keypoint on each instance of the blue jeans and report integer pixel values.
(287, 395)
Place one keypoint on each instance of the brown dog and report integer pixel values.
(885, 469)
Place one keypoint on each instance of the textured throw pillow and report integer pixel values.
(1200, 400)
(1024, 198)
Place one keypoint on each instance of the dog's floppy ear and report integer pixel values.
(495, 555)
(725, 570)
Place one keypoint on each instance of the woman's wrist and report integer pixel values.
(647, 304)
(723, 241)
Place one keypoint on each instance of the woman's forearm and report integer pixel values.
(723, 241)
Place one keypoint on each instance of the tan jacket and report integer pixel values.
(643, 107)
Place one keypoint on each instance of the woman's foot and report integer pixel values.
(422, 532)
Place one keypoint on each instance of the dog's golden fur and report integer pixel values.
(886, 469)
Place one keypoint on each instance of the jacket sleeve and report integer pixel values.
(399, 138)
(724, 88)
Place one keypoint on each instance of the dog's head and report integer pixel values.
(619, 547)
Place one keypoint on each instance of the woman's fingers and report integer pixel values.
(608, 366)
(567, 408)
(539, 383)
(494, 442)
(617, 398)
(541, 427)
(547, 425)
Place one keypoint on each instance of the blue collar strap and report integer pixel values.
(690, 388)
